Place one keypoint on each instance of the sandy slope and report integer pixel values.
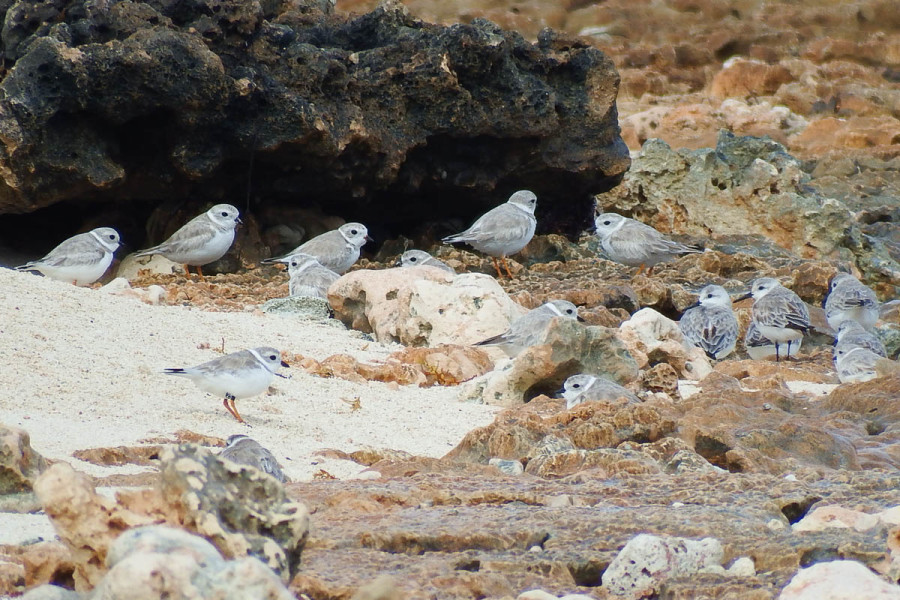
(81, 369)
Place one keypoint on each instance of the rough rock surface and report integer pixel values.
(157, 562)
(422, 306)
(566, 348)
(241, 510)
(445, 533)
(647, 561)
(838, 580)
(373, 109)
(20, 465)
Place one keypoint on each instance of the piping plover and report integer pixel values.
(856, 364)
(759, 347)
(780, 314)
(710, 324)
(337, 249)
(309, 278)
(588, 388)
(200, 241)
(503, 230)
(635, 244)
(237, 375)
(416, 258)
(850, 334)
(847, 299)
(247, 451)
(528, 329)
(81, 259)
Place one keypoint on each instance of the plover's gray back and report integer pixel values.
(710, 324)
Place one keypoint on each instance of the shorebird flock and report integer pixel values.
(779, 320)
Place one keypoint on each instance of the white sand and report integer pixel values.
(82, 369)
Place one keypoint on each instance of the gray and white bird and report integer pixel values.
(337, 249)
(587, 388)
(856, 364)
(850, 334)
(309, 278)
(417, 258)
(243, 450)
(635, 244)
(528, 329)
(200, 241)
(710, 324)
(759, 347)
(503, 230)
(234, 376)
(81, 259)
(849, 299)
(780, 314)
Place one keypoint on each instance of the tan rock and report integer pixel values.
(838, 580)
(567, 347)
(85, 521)
(422, 306)
(824, 517)
(652, 338)
(20, 465)
(741, 78)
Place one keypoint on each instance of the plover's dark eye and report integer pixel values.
(569, 311)
(224, 214)
(112, 237)
(353, 232)
(607, 222)
(576, 385)
(709, 295)
(273, 357)
(413, 259)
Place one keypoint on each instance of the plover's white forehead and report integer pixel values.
(524, 198)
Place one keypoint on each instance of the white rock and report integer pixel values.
(156, 265)
(742, 567)
(776, 525)
(154, 294)
(536, 595)
(648, 560)
(835, 517)
(838, 580)
(649, 332)
(423, 306)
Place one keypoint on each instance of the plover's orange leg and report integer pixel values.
(200, 273)
(187, 271)
(641, 269)
(506, 266)
(497, 266)
(232, 408)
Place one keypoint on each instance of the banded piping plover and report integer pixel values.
(849, 299)
(850, 334)
(759, 347)
(247, 451)
(528, 329)
(417, 258)
(337, 249)
(81, 259)
(710, 324)
(200, 241)
(503, 230)
(589, 388)
(309, 278)
(780, 314)
(635, 244)
(237, 375)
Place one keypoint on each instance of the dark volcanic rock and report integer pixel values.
(145, 100)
